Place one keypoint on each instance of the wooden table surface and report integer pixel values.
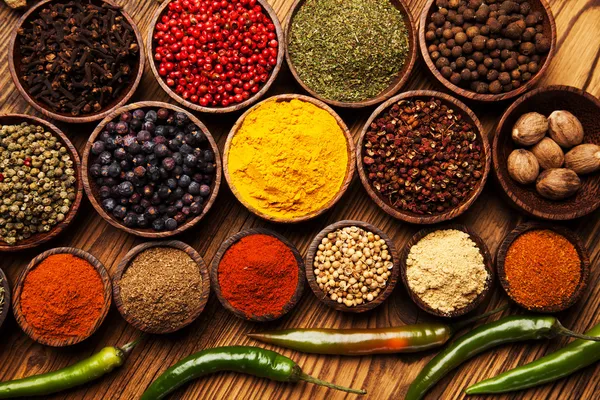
(576, 64)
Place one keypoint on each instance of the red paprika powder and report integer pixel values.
(258, 275)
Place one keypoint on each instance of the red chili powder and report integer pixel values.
(258, 275)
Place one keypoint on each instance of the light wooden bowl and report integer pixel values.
(92, 190)
(5, 309)
(349, 168)
(14, 64)
(487, 259)
(311, 278)
(549, 31)
(545, 100)
(394, 86)
(215, 110)
(131, 255)
(32, 265)
(570, 236)
(214, 274)
(39, 238)
(468, 116)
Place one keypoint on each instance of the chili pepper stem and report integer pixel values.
(126, 349)
(566, 332)
(305, 377)
(459, 325)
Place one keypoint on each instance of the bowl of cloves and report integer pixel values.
(76, 61)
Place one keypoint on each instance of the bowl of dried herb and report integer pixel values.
(4, 297)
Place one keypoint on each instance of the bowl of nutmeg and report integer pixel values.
(546, 153)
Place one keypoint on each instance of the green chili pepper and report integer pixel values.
(243, 359)
(486, 336)
(564, 362)
(77, 374)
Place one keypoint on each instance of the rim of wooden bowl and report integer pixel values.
(541, 207)
(487, 260)
(392, 89)
(98, 266)
(349, 169)
(567, 234)
(216, 110)
(131, 255)
(14, 59)
(459, 107)
(310, 275)
(549, 28)
(214, 274)
(40, 238)
(91, 187)
(6, 306)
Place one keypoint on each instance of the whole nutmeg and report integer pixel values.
(557, 183)
(529, 129)
(583, 159)
(565, 128)
(522, 166)
(548, 153)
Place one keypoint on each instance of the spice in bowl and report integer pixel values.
(288, 159)
(38, 181)
(446, 270)
(348, 51)
(162, 289)
(352, 266)
(2, 295)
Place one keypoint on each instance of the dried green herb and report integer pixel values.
(348, 50)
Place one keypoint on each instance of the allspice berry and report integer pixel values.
(529, 129)
(565, 128)
(548, 153)
(522, 166)
(558, 183)
(583, 159)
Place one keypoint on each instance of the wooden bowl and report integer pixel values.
(468, 116)
(311, 278)
(92, 190)
(5, 308)
(487, 259)
(545, 100)
(162, 10)
(131, 255)
(570, 236)
(39, 238)
(14, 64)
(394, 86)
(214, 275)
(349, 169)
(549, 31)
(32, 265)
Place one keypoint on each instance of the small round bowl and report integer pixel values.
(394, 86)
(131, 255)
(310, 274)
(487, 259)
(545, 100)
(32, 265)
(214, 275)
(39, 238)
(468, 116)
(549, 30)
(349, 168)
(14, 64)
(215, 110)
(5, 308)
(570, 236)
(92, 189)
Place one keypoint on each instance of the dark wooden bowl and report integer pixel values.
(545, 100)
(5, 308)
(549, 31)
(570, 236)
(39, 238)
(468, 116)
(214, 274)
(33, 264)
(394, 86)
(14, 64)
(92, 189)
(487, 259)
(310, 274)
(349, 169)
(131, 255)
(215, 110)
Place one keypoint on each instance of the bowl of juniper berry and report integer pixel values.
(151, 169)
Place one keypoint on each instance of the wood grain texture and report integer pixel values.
(386, 376)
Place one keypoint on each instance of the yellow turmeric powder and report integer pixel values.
(288, 159)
